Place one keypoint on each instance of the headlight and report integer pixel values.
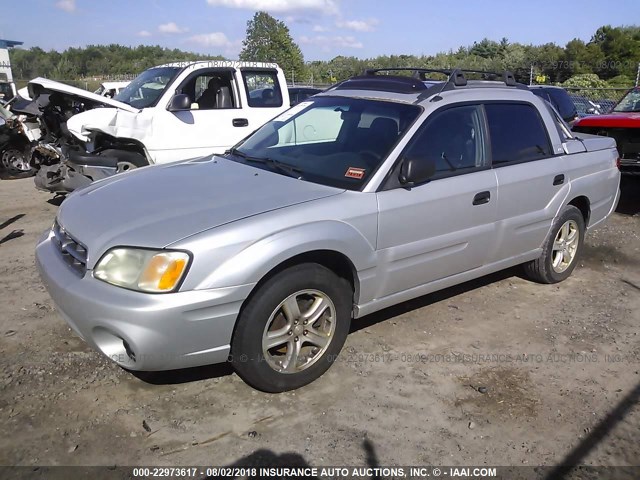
(154, 271)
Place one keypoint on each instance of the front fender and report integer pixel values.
(257, 259)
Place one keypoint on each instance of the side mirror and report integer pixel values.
(415, 171)
(179, 102)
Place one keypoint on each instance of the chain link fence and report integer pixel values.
(602, 99)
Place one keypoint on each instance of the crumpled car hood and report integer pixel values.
(112, 121)
(44, 85)
(159, 205)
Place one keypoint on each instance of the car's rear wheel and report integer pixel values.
(561, 249)
(292, 328)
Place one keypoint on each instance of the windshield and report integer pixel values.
(5, 113)
(334, 141)
(559, 99)
(630, 102)
(147, 87)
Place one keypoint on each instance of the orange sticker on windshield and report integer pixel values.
(353, 172)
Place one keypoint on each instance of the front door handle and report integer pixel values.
(482, 198)
(558, 179)
(240, 122)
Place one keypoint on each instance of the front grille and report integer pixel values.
(73, 252)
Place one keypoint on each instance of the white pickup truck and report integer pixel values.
(170, 112)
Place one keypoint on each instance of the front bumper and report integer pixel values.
(141, 331)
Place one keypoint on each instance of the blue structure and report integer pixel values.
(9, 43)
(5, 63)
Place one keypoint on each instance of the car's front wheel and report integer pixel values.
(561, 249)
(292, 328)
(15, 162)
(126, 160)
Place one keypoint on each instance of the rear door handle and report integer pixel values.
(240, 122)
(558, 179)
(482, 198)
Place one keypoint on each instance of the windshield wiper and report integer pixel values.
(283, 167)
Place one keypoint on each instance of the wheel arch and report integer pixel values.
(583, 204)
(333, 260)
(108, 142)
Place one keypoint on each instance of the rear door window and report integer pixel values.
(517, 133)
(263, 88)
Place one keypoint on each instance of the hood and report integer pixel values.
(112, 121)
(611, 120)
(44, 85)
(159, 205)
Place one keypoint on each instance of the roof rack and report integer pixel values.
(506, 76)
(417, 72)
(391, 83)
(456, 78)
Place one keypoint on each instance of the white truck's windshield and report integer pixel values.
(147, 87)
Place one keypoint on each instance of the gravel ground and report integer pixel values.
(498, 371)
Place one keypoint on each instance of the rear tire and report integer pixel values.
(561, 249)
(292, 328)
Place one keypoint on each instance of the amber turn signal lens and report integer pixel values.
(172, 275)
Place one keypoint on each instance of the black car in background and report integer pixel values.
(300, 94)
(560, 99)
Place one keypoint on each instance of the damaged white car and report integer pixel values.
(171, 112)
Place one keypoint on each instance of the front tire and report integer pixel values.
(15, 163)
(292, 328)
(127, 160)
(561, 249)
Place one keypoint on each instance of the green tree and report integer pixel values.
(268, 40)
(621, 81)
(580, 57)
(585, 81)
(621, 49)
(612, 53)
(486, 48)
(546, 60)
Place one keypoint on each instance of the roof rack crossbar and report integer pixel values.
(419, 82)
(391, 83)
(507, 77)
(418, 72)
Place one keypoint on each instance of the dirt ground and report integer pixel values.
(560, 365)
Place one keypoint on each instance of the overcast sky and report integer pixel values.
(322, 28)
